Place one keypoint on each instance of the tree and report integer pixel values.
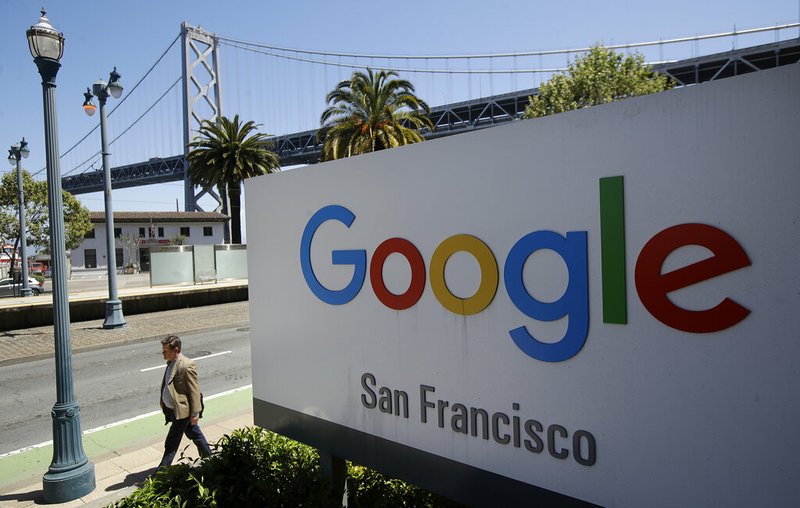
(177, 239)
(601, 75)
(130, 242)
(226, 153)
(76, 216)
(371, 112)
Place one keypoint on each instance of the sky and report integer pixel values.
(132, 35)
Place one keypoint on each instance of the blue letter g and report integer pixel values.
(357, 258)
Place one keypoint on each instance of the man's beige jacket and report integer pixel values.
(184, 388)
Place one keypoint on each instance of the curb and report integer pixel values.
(112, 497)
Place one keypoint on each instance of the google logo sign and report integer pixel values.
(652, 285)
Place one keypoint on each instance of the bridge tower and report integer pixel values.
(202, 100)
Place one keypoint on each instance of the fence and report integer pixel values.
(197, 264)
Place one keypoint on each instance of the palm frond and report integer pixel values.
(373, 110)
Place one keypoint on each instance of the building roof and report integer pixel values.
(154, 217)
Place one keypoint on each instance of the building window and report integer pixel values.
(207, 231)
(90, 258)
(141, 232)
(118, 255)
(185, 231)
(161, 232)
(117, 232)
(90, 233)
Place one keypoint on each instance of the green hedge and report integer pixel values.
(255, 467)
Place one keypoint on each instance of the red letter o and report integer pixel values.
(414, 258)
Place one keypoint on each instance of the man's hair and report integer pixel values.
(173, 341)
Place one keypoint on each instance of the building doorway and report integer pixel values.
(90, 258)
(144, 259)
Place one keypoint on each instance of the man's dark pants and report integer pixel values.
(176, 432)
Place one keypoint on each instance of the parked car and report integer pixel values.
(9, 288)
(48, 273)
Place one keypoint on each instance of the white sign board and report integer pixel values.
(601, 304)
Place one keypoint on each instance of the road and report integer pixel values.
(93, 280)
(114, 384)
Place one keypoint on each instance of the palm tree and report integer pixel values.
(226, 153)
(371, 112)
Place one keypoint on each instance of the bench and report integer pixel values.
(207, 276)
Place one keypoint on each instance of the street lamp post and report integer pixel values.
(15, 154)
(71, 473)
(101, 90)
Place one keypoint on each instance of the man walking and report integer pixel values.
(180, 401)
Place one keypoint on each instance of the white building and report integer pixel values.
(5, 260)
(149, 229)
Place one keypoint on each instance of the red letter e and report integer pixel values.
(653, 286)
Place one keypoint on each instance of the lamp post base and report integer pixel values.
(114, 317)
(63, 486)
(26, 292)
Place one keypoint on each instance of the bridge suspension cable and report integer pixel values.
(285, 89)
(569, 51)
(252, 49)
(307, 75)
(117, 106)
(287, 53)
(129, 127)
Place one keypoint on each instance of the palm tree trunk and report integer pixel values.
(225, 198)
(235, 200)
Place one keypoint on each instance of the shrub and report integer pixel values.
(370, 489)
(177, 486)
(255, 467)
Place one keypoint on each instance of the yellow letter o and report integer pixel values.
(489, 275)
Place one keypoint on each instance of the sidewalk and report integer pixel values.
(123, 455)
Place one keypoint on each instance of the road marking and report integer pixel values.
(228, 392)
(198, 358)
(121, 422)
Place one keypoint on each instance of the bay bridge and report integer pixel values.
(272, 85)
